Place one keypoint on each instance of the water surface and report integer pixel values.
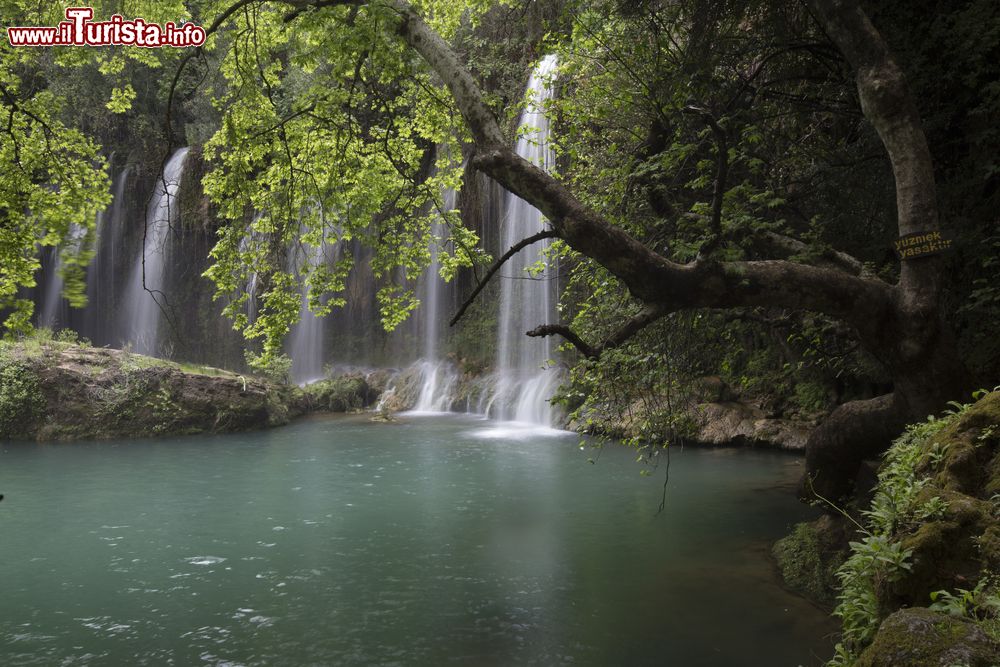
(340, 541)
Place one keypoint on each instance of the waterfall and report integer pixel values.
(433, 285)
(98, 324)
(54, 313)
(527, 298)
(143, 301)
(307, 345)
(437, 377)
(251, 240)
(52, 301)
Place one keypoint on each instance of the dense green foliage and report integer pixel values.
(324, 130)
(331, 133)
(57, 105)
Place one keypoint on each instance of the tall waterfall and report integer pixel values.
(438, 376)
(55, 312)
(98, 324)
(143, 298)
(527, 298)
(51, 313)
(306, 345)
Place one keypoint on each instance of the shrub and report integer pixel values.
(21, 400)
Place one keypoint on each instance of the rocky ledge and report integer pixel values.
(709, 414)
(53, 391)
(735, 423)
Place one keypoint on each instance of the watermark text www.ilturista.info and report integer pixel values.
(79, 30)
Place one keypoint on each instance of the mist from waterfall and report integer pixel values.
(143, 298)
(54, 312)
(50, 314)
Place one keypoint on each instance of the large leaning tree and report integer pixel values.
(900, 324)
(341, 120)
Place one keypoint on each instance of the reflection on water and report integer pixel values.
(419, 542)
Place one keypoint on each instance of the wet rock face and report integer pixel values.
(920, 637)
(737, 423)
(88, 393)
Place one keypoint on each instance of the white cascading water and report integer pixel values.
(524, 381)
(143, 298)
(48, 315)
(55, 309)
(438, 377)
(307, 346)
(101, 283)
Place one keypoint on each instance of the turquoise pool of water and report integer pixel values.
(429, 541)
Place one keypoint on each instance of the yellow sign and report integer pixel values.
(921, 244)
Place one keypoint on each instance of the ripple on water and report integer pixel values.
(204, 560)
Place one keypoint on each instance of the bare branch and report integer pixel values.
(632, 327)
(570, 336)
(516, 248)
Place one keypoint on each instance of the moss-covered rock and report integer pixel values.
(960, 466)
(57, 391)
(808, 558)
(21, 400)
(924, 638)
(342, 393)
(934, 525)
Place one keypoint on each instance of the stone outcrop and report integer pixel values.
(744, 424)
(937, 504)
(710, 414)
(809, 557)
(924, 638)
(54, 391)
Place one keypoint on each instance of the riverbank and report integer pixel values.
(62, 391)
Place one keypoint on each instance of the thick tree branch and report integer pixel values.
(854, 432)
(439, 55)
(514, 249)
(650, 277)
(785, 246)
